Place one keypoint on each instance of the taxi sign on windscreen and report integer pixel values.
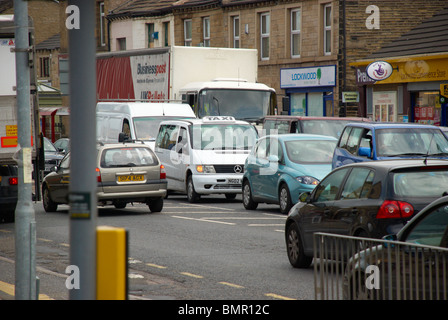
(218, 118)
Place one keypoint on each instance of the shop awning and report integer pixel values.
(48, 111)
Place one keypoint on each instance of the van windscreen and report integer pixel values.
(223, 136)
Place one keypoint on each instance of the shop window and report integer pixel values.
(427, 108)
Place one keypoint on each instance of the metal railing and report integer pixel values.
(355, 268)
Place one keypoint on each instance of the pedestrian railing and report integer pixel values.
(355, 268)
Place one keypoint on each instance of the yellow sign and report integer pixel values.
(11, 130)
(444, 90)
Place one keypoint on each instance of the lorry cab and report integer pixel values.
(137, 120)
(205, 156)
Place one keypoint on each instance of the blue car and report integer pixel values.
(380, 141)
(281, 167)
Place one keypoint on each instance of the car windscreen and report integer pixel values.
(310, 151)
(396, 142)
(420, 183)
(331, 128)
(223, 136)
(48, 146)
(128, 157)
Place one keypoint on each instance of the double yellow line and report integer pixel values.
(10, 290)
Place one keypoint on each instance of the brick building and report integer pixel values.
(297, 38)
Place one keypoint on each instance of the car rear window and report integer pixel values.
(422, 183)
(128, 157)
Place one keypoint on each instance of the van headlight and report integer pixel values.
(205, 169)
(308, 180)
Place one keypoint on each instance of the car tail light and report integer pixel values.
(162, 172)
(98, 175)
(14, 181)
(395, 209)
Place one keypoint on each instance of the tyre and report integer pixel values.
(120, 205)
(156, 204)
(284, 199)
(248, 202)
(294, 248)
(192, 196)
(49, 205)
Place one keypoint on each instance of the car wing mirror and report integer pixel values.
(364, 152)
(273, 158)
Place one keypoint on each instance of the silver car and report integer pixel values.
(126, 172)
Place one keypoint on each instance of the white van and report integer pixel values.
(138, 120)
(205, 156)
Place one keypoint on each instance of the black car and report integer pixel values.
(8, 192)
(367, 199)
(52, 156)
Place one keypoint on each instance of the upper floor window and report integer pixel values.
(206, 31)
(44, 67)
(151, 35)
(166, 34)
(264, 35)
(236, 31)
(187, 32)
(295, 32)
(327, 29)
(102, 25)
(121, 44)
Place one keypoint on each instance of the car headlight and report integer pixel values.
(205, 169)
(307, 180)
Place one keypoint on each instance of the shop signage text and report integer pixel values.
(324, 76)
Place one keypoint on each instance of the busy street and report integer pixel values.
(211, 250)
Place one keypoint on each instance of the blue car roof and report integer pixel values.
(301, 136)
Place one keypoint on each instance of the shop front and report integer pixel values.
(412, 93)
(310, 90)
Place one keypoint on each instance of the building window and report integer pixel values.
(121, 44)
(206, 31)
(44, 67)
(295, 32)
(102, 25)
(327, 29)
(236, 32)
(166, 34)
(187, 32)
(151, 35)
(264, 33)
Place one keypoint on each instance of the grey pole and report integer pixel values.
(80, 21)
(25, 236)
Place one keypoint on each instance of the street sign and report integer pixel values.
(444, 93)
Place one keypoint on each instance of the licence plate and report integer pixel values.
(129, 178)
(234, 180)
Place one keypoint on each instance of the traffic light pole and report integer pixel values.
(80, 22)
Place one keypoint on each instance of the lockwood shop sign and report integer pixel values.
(324, 76)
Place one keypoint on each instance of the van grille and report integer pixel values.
(229, 168)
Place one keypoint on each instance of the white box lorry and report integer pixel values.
(213, 81)
(8, 122)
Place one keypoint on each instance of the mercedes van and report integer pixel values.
(205, 156)
(137, 120)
